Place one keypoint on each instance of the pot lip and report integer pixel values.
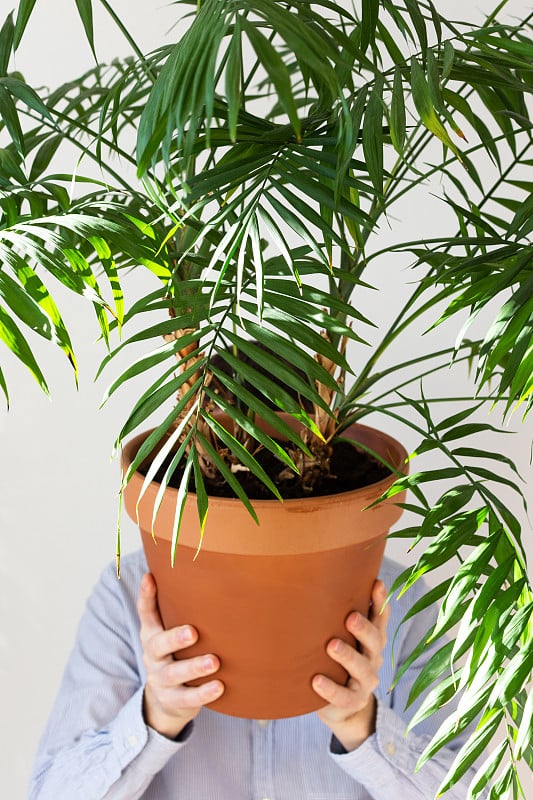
(373, 489)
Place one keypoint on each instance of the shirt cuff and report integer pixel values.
(133, 738)
(379, 759)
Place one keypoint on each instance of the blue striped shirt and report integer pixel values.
(96, 745)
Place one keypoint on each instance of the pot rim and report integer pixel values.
(132, 445)
(308, 524)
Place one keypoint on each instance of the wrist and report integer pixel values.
(169, 726)
(352, 732)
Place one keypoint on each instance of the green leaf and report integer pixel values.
(24, 10)
(349, 127)
(44, 156)
(397, 114)
(283, 430)
(177, 419)
(413, 8)
(86, 13)
(22, 304)
(513, 678)
(6, 43)
(525, 731)
(473, 749)
(448, 59)
(476, 615)
(8, 112)
(13, 338)
(3, 386)
(277, 72)
(433, 701)
(156, 449)
(475, 565)
(487, 771)
(369, 21)
(147, 362)
(429, 599)
(202, 501)
(438, 664)
(285, 348)
(35, 306)
(184, 91)
(228, 475)
(243, 456)
(183, 491)
(153, 401)
(233, 79)
(424, 105)
(373, 136)
(303, 334)
(272, 390)
(27, 95)
(298, 225)
(503, 785)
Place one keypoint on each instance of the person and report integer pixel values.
(126, 726)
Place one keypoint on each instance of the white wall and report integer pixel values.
(58, 487)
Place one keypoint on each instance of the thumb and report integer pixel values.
(147, 608)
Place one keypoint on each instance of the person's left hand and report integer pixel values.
(351, 713)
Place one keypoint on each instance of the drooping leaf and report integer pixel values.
(13, 338)
(8, 112)
(397, 113)
(424, 105)
(373, 136)
(85, 10)
(24, 10)
(369, 21)
(7, 33)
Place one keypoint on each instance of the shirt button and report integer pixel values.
(390, 748)
(132, 740)
(263, 723)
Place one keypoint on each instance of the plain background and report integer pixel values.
(58, 483)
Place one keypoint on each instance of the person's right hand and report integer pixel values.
(168, 703)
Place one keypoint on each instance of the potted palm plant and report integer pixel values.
(264, 157)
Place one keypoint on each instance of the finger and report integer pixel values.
(379, 612)
(178, 673)
(341, 697)
(370, 637)
(147, 608)
(361, 670)
(162, 645)
(196, 696)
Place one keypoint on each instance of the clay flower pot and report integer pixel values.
(266, 599)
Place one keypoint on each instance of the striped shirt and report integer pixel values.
(96, 745)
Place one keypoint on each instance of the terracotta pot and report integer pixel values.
(266, 599)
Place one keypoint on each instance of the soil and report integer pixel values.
(350, 469)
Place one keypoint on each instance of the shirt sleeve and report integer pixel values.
(385, 763)
(96, 745)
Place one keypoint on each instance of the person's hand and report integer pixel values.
(168, 703)
(351, 713)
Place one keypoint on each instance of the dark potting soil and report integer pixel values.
(350, 469)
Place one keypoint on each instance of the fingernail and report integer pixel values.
(213, 688)
(354, 619)
(208, 663)
(335, 646)
(318, 682)
(185, 636)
